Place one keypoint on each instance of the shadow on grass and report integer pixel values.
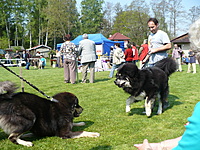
(172, 101)
(81, 128)
(3, 136)
(95, 81)
(100, 80)
(102, 147)
(35, 137)
(141, 111)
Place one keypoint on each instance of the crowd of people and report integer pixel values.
(147, 54)
(24, 58)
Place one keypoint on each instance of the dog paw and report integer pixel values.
(24, 143)
(90, 134)
(79, 124)
(95, 134)
(128, 108)
(29, 144)
(148, 112)
(159, 112)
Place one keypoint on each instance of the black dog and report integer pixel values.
(149, 83)
(22, 112)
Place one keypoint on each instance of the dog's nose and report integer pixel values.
(116, 82)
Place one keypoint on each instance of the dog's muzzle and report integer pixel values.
(122, 83)
(78, 111)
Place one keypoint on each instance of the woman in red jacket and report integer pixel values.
(129, 54)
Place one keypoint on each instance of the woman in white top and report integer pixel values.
(118, 59)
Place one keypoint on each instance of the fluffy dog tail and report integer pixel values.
(168, 65)
(7, 88)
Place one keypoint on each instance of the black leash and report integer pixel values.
(51, 98)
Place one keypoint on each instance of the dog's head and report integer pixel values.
(127, 76)
(70, 102)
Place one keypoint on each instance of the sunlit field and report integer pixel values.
(104, 110)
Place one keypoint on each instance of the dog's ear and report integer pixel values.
(129, 69)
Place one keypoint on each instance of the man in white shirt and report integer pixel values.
(158, 42)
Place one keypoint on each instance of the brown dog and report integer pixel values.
(22, 112)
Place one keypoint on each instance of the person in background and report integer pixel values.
(143, 51)
(135, 53)
(118, 59)
(69, 63)
(185, 60)
(26, 56)
(111, 54)
(42, 62)
(17, 56)
(7, 56)
(52, 59)
(110, 58)
(192, 62)
(58, 59)
(129, 54)
(158, 42)
(176, 54)
(87, 51)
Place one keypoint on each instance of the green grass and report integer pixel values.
(104, 111)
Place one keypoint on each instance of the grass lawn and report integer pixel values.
(104, 111)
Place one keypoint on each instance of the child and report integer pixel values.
(42, 62)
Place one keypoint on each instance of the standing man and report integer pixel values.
(87, 51)
(176, 54)
(7, 56)
(25, 57)
(17, 56)
(158, 42)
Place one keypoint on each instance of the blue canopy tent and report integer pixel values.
(98, 39)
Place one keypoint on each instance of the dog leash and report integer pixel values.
(51, 98)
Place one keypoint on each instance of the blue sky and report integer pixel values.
(187, 4)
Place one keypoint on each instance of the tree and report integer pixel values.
(133, 21)
(108, 19)
(194, 13)
(176, 13)
(91, 16)
(160, 12)
(62, 18)
(5, 13)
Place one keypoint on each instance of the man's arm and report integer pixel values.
(162, 48)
